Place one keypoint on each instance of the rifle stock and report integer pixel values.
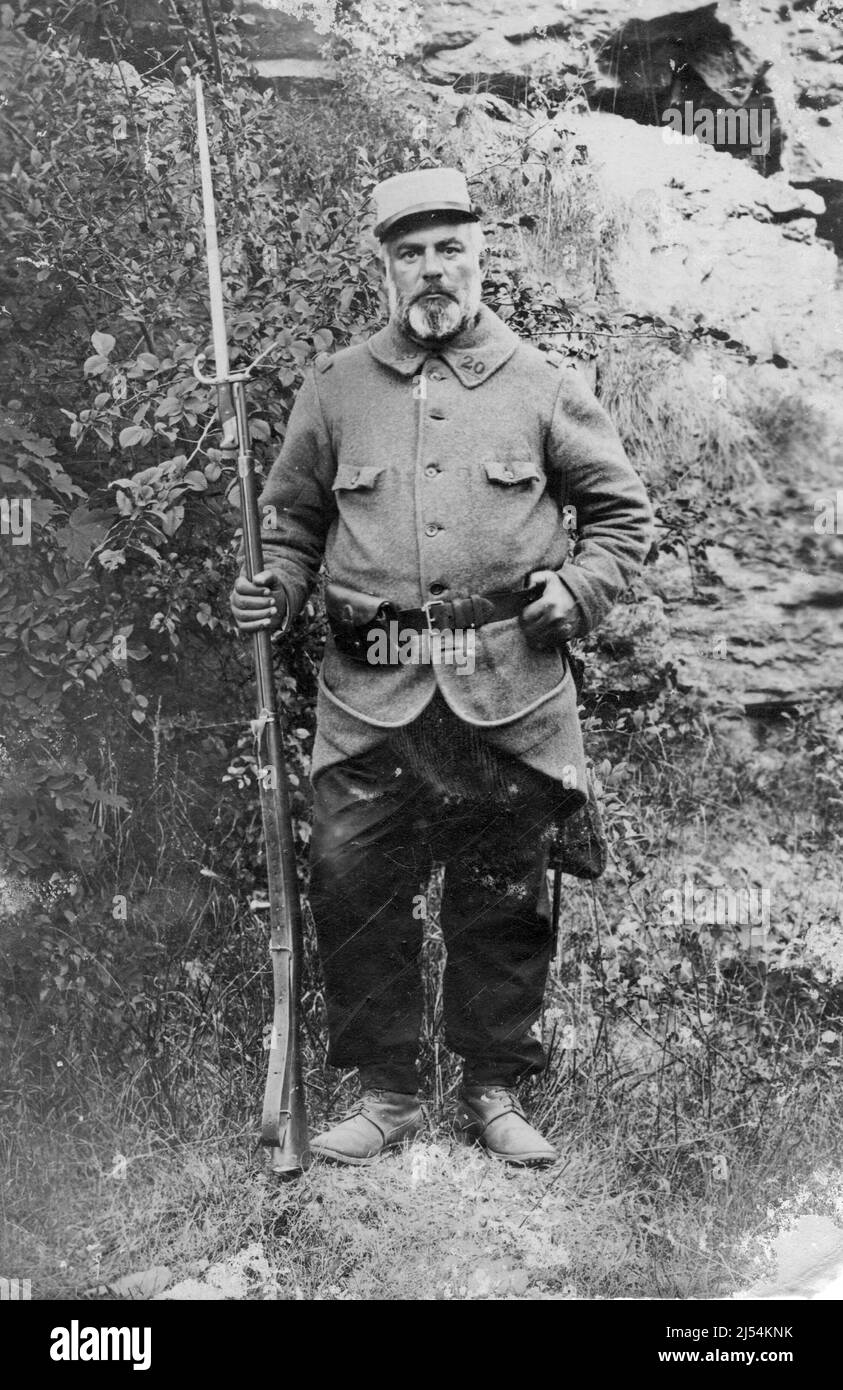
(284, 1125)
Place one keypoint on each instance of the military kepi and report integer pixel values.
(423, 191)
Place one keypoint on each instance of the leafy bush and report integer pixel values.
(126, 696)
(119, 604)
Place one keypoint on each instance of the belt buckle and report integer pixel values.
(426, 607)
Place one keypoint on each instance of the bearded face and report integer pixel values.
(434, 280)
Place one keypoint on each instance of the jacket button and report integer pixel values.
(431, 529)
(431, 471)
(437, 588)
(437, 376)
(437, 413)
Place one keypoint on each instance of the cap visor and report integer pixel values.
(423, 216)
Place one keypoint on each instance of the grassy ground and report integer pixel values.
(693, 1088)
(435, 1221)
(619, 1216)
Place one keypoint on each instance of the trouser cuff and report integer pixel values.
(389, 1076)
(493, 1074)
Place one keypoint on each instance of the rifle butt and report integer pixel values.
(291, 1157)
(284, 1128)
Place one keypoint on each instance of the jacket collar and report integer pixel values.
(473, 355)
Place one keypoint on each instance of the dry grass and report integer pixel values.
(619, 1216)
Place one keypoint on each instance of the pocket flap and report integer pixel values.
(352, 476)
(509, 471)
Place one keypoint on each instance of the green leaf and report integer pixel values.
(110, 559)
(41, 510)
(103, 343)
(82, 534)
(171, 522)
(95, 365)
(130, 436)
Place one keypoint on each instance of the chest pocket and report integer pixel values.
(351, 478)
(512, 472)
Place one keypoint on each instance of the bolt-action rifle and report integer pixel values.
(284, 1125)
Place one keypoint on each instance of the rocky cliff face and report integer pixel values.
(635, 59)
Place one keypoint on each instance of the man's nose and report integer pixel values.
(432, 268)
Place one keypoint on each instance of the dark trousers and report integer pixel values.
(380, 821)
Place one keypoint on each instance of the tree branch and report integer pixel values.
(212, 39)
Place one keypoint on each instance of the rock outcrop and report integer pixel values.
(636, 60)
(711, 241)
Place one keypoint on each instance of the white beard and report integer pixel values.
(434, 320)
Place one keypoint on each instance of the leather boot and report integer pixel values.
(493, 1116)
(380, 1120)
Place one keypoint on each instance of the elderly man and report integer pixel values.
(435, 469)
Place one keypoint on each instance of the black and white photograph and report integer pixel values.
(421, 666)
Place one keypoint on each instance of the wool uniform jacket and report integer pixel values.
(420, 473)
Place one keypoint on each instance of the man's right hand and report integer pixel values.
(259, 603)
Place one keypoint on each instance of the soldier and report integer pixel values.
(429, 468)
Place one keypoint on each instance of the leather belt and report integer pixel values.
(437, 615)
(451, 614)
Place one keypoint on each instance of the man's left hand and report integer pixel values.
(551, 618)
